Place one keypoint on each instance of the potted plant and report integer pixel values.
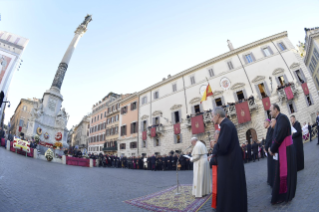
(49, 155)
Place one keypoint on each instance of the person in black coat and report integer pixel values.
(309, 129)
(2, 133)
(255, 151)
(10, 136)
(153, 163)
(231, 180)
(248, 153)
(269, 125)
(298, 144)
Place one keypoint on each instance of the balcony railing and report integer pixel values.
(159, 130)
(231, 109)
(207, 117)
(282, 95)
(113, 148)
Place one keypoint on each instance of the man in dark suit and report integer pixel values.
(255, 150)
(297, 142)
(309, 130)
(317, 121)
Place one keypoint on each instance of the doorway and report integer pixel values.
(251, 135)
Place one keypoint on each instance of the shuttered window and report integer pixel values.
(282, 46)
(315, 52)
(174, 87)
(230, 65)
(192, 78)
(211, 72)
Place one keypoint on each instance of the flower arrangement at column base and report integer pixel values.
(37, 138)
(57, 145)
(49, 155)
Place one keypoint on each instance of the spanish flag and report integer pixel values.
(208, 92)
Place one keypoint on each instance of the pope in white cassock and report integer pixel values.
(201, 172)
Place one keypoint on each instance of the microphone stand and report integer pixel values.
(177, 176)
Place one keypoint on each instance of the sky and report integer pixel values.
(131, 45)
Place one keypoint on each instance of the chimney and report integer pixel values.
(230, 45)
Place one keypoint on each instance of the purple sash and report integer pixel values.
(282, 151)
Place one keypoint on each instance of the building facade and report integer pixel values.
(11, 50)
(82, 132)
(128, 137)
(251, 74)
(98, 123)
(19, 120)
(312, 53)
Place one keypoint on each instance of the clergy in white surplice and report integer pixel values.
(201, 172)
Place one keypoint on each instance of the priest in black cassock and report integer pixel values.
(298, 144)
(231, 180)
(285, 181)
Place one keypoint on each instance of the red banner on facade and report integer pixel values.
(153, 132)
(289, 93)
(144, 137)
(177, 128)
(266, 103)
(42, 143)
(305, 88)
(198, 124)
(20, 128)
(243, 114)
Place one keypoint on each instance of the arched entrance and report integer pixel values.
(251, 135)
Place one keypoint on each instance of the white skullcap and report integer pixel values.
(194, 139)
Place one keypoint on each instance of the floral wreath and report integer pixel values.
(46, 135)
(39, 131)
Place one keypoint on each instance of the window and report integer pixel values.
(309, 100)
(133, 145)
(282, 46)
(315, 52)
(144, 126)
(317, 81)
(124, 110)
(218, 102)
(94, 119)
(174, 87)
(117, 117)
(24, 108)
(98, 117)
(211, 72)
(156, 121)
(156, 95)
(192, 78)
(144, 144)
(108, 110)
(133, 128)
(291, 107)
(313, 61)
(176, 117)
(156, 141)
(116, 130)
(262, 90)
(101, 115)
(178, 139)
(122, 146)
(282, 81)
(105, 114)
(249, 58)
(300, 76)
(133, 106)
(267, 51)
(312, 69)
(144, 100)
(123, 130)
(197, 109)
(240, 95)
(230, 65)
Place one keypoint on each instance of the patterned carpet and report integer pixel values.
(166, 200)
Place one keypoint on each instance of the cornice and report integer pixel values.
(258, 78)
(11, 44)
(278, 71)
(216, 93)
(157, 113)
(175, 107)
(195, 100)
(237, 85)
(215, 59)
(144, 117)
(294, 65)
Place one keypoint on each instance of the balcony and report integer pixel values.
(282, 95)
(159, 130)
(113, 148)
(207, 117)
(231, 109)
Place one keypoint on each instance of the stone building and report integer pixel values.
(98, 123)
(112, 126)
(81, 133)
(312, 53)
(11, 50)
(128, 137)
(266, 71)
(19, 120)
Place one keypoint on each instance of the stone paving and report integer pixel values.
(28, 184)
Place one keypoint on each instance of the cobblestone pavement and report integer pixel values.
(33, 185)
